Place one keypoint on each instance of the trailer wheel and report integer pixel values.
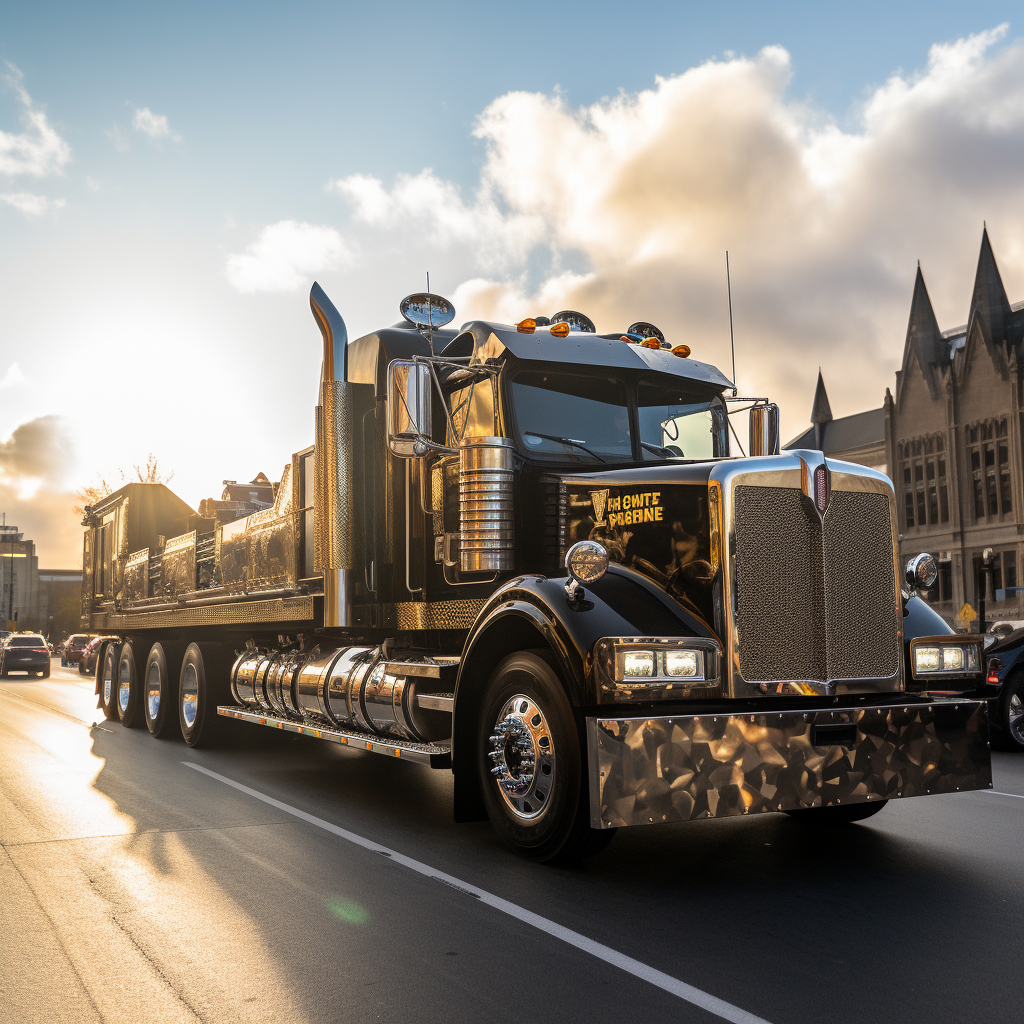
(129, 686)
(531, 762)
(160, 688)
(108, 680)
(836, 815)
(203, 684)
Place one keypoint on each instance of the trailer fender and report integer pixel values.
(531, 612)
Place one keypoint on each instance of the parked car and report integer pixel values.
(71, 652)
(25, 652)
(87, 662)
(1004, 688)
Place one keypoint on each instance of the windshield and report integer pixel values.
(573, 418)
(26, 641)
(673, 424)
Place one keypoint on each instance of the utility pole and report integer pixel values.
(10, 574)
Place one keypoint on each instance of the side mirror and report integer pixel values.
(409, 409)
(764, 430)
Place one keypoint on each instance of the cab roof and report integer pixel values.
(369, 356)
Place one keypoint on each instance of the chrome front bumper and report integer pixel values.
(684, 767)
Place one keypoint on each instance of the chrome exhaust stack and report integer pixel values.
(333, 512)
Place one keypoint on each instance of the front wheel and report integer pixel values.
(837, 814)
(532, 767)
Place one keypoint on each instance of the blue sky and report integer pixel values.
(192, 130)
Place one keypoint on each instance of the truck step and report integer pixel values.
(438, 666)
(434, 755)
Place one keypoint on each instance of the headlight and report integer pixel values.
(637, 664)
(641, 668)
(950, 657)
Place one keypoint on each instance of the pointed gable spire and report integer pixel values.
(990, 307)
(925, 338)
(821, 412)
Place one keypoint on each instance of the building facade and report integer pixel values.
(953, 442)
(41, 600)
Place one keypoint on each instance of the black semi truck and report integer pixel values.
(528, 554)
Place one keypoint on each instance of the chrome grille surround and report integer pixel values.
(822, 590)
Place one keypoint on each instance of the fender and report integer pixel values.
(534, 611)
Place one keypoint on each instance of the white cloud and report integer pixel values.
(624, 209)
(155, 126)
(38, 151)
(13, 376)
(285, 256)
(31, 204)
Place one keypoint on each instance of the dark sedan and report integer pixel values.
(87, 662)
(25, 652)
(1004, 688)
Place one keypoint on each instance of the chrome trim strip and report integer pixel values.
(431, 754)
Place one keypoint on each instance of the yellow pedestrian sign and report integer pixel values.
(967, 614)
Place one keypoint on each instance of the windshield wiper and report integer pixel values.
(564, 440)
(665, 453)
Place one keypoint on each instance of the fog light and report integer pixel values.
(682, 663)
(953, 659)
(926, 659)
(638, 664)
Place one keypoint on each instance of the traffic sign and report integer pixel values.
(967, 614)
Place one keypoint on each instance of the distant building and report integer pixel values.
(858, 438)
(953, 439)
(239, 500)
(19, 579)
(45, 601)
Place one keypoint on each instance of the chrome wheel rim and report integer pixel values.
(124, 687)
(189, 695)
(108, 682)
(153, 692)
(1015, 717)
(522, 755)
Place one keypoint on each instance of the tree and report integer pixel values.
(149, 473)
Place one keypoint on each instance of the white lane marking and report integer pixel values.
(719, 1007)
(995, 792)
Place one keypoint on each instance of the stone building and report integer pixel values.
(953, 441)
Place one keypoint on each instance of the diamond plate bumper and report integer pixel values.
(683, 767)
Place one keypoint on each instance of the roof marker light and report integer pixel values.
(560, 330)
(527, 326)
(681, 350)
(651, 343)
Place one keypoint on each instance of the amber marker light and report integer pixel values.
(681, 350)
(628, 340)
(560, 330)
(651, 343)
(527, 326)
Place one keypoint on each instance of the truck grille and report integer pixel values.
(815, 600)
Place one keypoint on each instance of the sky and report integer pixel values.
(174, 177)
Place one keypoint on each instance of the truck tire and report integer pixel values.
(203, 684)
(107, 672)
(1010, 722)
(532, 769)
(160, 689)
(129, 686)
(832, 816)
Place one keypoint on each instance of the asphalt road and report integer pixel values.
(136, 888)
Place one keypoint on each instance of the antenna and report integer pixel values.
(732, 340)
(430, 318)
